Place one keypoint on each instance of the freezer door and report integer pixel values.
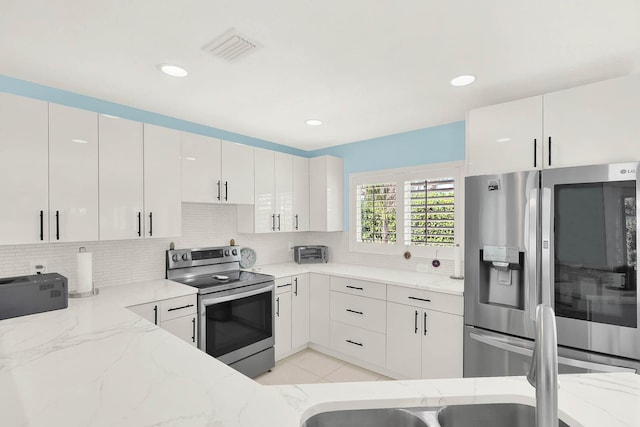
(501, 252)
(489, 354)
(589, 256)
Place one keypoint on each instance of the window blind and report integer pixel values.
(429, 214)
(376, 213)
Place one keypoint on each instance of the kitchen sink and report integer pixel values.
(491, 414)
(494, 414)
(366, 417)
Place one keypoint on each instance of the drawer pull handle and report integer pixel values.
(353, 311)
(354, 343)
(283, 286)
(420, 299)
(180, 308)
(355, 287)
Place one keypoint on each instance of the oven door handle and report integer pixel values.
(206, 301)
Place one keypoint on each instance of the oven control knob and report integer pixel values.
(226, 252)
(234, 252)
(185, 257)
(175, 258)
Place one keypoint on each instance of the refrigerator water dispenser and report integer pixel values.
(501, 278)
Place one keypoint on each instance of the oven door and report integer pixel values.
(589, 259)
(237, 323)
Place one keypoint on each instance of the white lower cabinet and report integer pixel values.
(176, 315)
(423, 343)
(320, 309)
(292, 314)
(358, 343)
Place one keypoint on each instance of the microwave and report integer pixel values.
(310, 254)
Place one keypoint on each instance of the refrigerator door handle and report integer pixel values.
(546, 284)
(531, 263)
(501, 344)
(562, 360)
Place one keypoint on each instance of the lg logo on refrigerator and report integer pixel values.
(625, 171)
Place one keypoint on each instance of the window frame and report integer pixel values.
(399, 176)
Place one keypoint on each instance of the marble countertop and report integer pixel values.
(428, 281)
(97, 364)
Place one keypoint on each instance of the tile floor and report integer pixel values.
(309, 366)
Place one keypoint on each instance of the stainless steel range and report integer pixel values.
(235, 308)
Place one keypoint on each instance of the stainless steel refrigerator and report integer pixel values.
(566, 237)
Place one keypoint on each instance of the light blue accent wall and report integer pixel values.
(445, 143)
(58, 96)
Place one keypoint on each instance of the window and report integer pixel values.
(409, 208)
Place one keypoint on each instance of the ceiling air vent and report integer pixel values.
(231, 45)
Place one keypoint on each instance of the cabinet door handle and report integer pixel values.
(549, 151)
(354, 343)
(420, 299)
(155, 314)
(415, 323)
(139, 224)
(273, 222)
(193, 333)
(41, 225)
(278, 222)
(535, 152)
(150, 223)
(218, 189)
(278, 306)
(425, 323)
(355, 287)
(57, 225)
(296, 221)
(226, 190)
(295, 291)
(283, 286)
(354, 311)
(181, 307)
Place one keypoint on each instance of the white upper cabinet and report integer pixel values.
(264, 209)
(73, 174)
(23, 165)
(284, 191)
(120, 178)
(326, 183)
(593, 124)
(162, 182)
(201, 169)
(505, 137)
(237, 173)
(300, 193)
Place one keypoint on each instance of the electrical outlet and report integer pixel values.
(423, 268)
(38, 267)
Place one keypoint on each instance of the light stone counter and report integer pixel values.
(413, 279)
(97, 364)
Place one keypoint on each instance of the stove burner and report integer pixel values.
(220, 277)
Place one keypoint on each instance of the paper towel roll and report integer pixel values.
(85, 272)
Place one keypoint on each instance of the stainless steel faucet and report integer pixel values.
(543, 372)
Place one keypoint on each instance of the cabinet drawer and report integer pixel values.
(367, 313)
(178, 307)
(359, 287)
(283, 284)
(426, 299)
(360, 343)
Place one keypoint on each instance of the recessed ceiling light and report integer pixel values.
(190, 158)
(503, 139)
(80, 141)
(314, 122)
(173, 70)
(462, 80)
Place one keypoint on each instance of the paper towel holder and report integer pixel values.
(92, 292)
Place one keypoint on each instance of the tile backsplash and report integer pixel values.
(124, 261)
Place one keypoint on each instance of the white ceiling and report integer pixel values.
(367, 68)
